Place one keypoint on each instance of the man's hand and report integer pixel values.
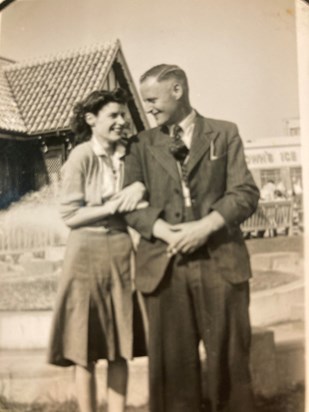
(129, 197)
(163, 230)
(189, 236)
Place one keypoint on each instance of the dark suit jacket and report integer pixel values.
(218, 179)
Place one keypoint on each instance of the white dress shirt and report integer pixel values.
(187, 126)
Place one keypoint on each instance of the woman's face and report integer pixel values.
(109, 124)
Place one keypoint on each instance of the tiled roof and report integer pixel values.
(10, 119)
(45, 90)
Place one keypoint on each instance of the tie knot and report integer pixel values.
(177, 147)
(177, 131)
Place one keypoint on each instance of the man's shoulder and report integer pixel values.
(220, 125)
(145, 136)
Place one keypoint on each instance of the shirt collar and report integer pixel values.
(186, 123)
(99, 150)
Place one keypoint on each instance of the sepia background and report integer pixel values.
(247, 61)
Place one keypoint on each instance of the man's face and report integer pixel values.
(160, 100)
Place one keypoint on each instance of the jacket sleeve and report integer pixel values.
(241, 195)
(141, 220)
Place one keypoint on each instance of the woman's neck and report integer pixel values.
(109, 147)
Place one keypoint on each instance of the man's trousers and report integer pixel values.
(194, 303)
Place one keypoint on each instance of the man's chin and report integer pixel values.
(161, 122)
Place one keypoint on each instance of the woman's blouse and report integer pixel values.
(90, 177)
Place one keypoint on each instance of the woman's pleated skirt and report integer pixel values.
(93, 315)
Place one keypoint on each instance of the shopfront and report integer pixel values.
(275, 164)
(277, 160)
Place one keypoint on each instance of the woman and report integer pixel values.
(93, 313)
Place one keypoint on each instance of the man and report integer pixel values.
(192, 263)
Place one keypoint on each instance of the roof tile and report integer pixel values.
(45, 90)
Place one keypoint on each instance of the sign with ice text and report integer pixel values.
(270, 157)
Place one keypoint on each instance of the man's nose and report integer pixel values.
(148, 107)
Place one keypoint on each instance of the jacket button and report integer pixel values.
(177, 214)
(177, 191)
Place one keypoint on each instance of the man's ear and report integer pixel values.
(177, 90)
(90, 119)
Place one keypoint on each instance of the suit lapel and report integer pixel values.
(160, 151)
(202, 136)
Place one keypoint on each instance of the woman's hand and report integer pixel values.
(128, 198)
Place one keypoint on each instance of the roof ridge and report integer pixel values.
(84, 50)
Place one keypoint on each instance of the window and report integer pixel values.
(270, 174)
(296, 174)
(53, 160)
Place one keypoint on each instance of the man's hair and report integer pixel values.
(165, 72)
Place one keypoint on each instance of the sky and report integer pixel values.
(240, 56)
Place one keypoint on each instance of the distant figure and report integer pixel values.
(268, 191)
(93, 317)
(278, 195)
(296, 186)
(280, 187)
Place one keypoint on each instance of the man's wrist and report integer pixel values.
(160, 229)
(214, 221)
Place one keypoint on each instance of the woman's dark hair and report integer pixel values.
(93, 103)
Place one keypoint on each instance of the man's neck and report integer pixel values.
(182, 113)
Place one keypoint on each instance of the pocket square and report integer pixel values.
(214, 155)
(212, 151)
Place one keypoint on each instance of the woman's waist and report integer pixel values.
(111, 224)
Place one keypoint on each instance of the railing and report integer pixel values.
(271, 216)
(23, 236)
(21, 239)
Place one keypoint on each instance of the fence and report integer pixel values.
(274, 215)
(22, 232)
(21, 239)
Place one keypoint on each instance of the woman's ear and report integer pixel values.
(90, 119)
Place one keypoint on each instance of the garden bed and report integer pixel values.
(290, 401)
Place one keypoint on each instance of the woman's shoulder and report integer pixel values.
(81, 152)
(79, 157)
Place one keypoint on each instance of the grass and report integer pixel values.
(34, 294)
(54, 406)
(276, 244)
(265, 280)
(290, 401)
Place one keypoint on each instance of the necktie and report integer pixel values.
(179, 150)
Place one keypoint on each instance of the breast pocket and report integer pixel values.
(220, 156)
